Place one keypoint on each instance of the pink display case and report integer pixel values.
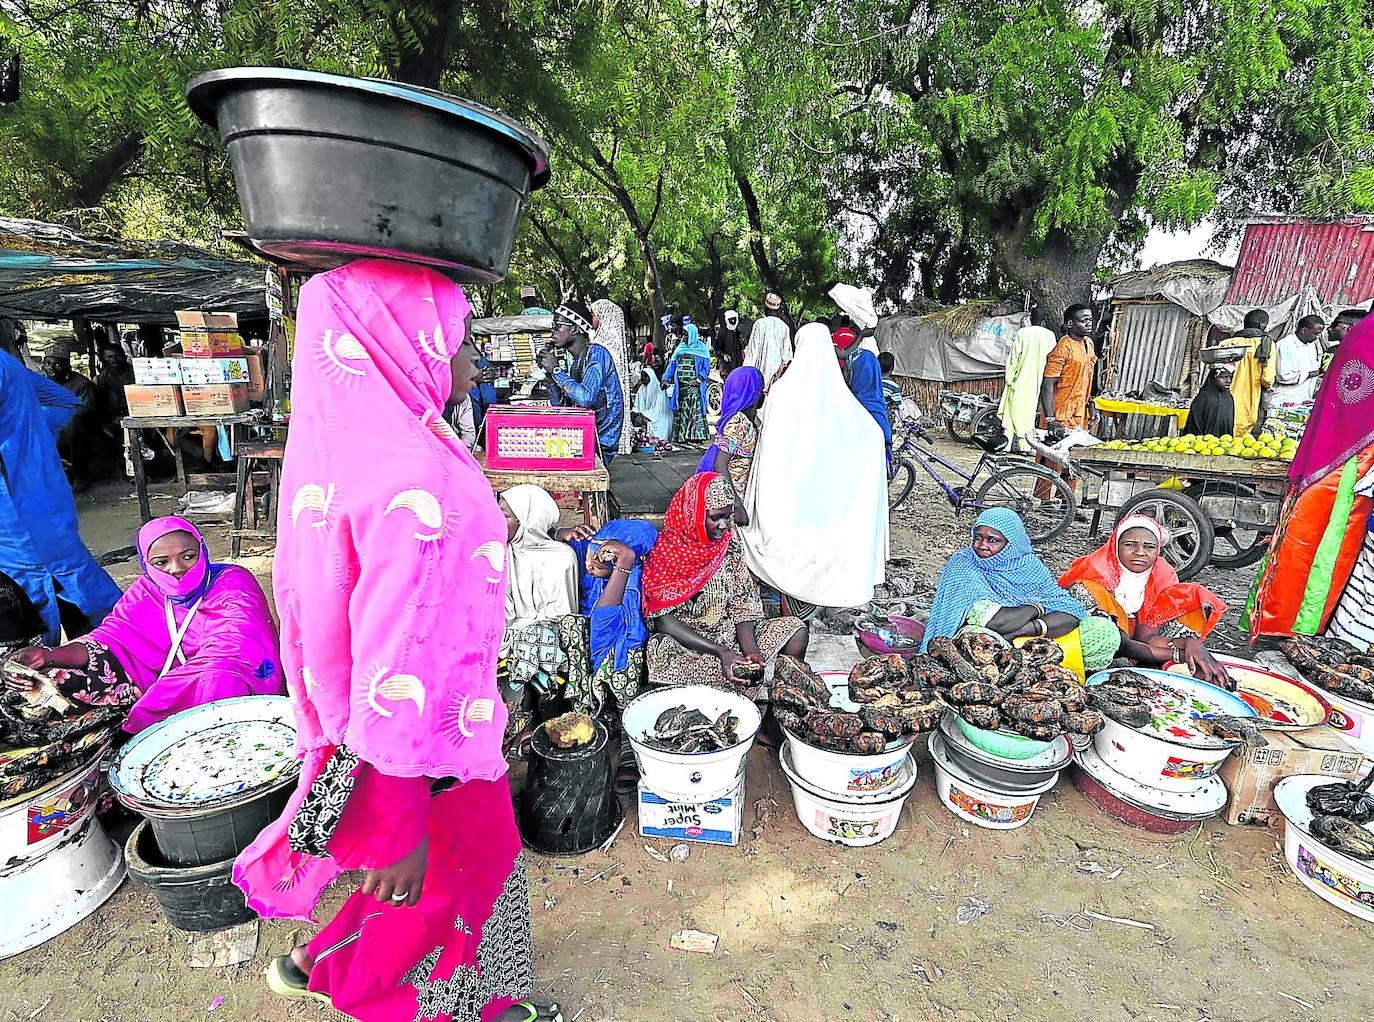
(539, 439)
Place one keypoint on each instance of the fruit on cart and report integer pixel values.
(1266, 445)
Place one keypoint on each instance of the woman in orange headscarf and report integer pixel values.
(1126, 580)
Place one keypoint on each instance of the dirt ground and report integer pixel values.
(809, 931)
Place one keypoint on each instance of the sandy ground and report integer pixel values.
(809, 931)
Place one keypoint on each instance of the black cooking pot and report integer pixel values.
(330, 169)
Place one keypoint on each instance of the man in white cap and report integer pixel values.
(729, 343)
(529, 299)
(770, 342)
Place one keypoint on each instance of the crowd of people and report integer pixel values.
(427, 624)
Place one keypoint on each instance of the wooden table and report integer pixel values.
(237, 425)
(594, 487)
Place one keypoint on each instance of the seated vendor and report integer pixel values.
(612, 600)
(1126, 581)
(188, 632)
(705, 608)
(543, 635)
(998, 583)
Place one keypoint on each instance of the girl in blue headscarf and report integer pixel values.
(998, 583)
(612, 600)
(737, 434)
(689, 374)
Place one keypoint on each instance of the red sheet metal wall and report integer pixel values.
(1278, 258)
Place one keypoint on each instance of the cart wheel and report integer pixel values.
(961, 431)
(900, 485)
(1045, 502)
(715, 392)
(1190, 530)
(986, 422)
(1235, 546)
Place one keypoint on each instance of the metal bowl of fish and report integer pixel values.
(691, 740)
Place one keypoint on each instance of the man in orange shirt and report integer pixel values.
(1068, 382)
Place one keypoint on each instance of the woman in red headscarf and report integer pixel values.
(705, 609)
(1128, 581)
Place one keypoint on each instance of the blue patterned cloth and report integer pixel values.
(1013, 577)
(616, 630)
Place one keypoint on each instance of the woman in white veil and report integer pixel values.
(608, 321)
(818, 490)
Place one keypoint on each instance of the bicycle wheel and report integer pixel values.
(899, 487)
(1190, 530)
(1043, 499)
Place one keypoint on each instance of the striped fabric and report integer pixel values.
(1353, 619)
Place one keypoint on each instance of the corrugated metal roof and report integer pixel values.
(1278, 258)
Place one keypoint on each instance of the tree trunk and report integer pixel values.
(424, 65)
(99, 175)
(716, 299)
(768, 271)
(1059, 273)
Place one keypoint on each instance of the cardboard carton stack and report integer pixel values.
(217, 376)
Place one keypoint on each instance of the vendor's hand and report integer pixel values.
(406, 877)
(577, 532)
(754, 656)
(1203, 666)
(548, 360)
(34, 658)
(615, 552)
(728, 659)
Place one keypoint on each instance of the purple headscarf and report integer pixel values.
(743, 388)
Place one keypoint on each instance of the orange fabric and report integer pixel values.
(1166, 598)
(1283, 586)
(1072, 363)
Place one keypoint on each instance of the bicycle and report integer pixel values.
(1044, 499)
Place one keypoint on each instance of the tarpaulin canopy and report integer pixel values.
(52, 272)
(923, 349)
(496, 325)
(1198, 285)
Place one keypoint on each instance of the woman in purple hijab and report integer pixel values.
(188, 632)
(737, 434)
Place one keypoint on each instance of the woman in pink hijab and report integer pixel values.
(188, 632)
(390, 579)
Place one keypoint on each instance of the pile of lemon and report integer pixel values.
(1266, 445)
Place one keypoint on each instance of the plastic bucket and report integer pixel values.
(199, 839)
(854, 821)
(690, 776)
(846, 774)
(194, 898)
(330, 169)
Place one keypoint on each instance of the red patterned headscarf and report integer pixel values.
(684, 559)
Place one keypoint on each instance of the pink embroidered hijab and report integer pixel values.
(229, 647)
(390, 573)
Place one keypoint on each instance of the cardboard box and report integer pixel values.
(209, 334)
(201, 372)
(714, 823)
(149, 371)
(151, 400)
(257, 373)
(215, 398)
(1250, 774)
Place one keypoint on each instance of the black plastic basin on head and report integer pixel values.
(330, 169)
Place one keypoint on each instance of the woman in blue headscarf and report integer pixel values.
(689, 374)
(612, 600)
(737, 434)
(998, 583)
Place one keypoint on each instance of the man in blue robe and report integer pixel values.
(40, 545)
(592, 382)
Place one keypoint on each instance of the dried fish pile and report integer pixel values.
(995, 686)
(684, 729)
(1332, 664)
(894, 703)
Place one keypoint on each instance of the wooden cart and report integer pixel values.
(1219, 509)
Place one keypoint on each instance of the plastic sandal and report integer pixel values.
(285, 978)
(530, 1007)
